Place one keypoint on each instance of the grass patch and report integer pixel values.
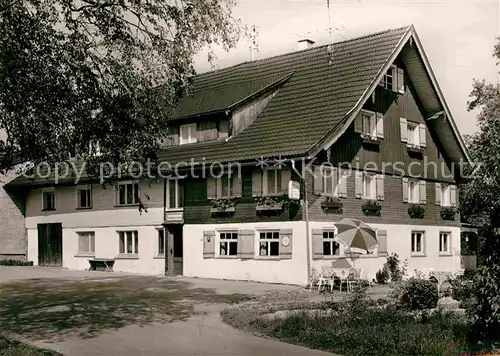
(15, 348)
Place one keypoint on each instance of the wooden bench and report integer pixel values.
(106, 264)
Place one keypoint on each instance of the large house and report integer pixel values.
(361, 127)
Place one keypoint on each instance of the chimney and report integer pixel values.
(305, 43)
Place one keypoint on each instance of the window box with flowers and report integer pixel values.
(448, 213)
(416, 211)
(223, 206)
(333, 204)
(370, 140)
(371, 208)
(415, 149)
(268, 203)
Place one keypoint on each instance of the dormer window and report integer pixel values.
(188, 134)
(394, 80)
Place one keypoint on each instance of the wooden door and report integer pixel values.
(50, 245)
(174, 250)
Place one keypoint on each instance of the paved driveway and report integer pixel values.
(97, 313)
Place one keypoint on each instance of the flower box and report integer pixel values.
(272, 207)
(371, 208)
(368, 140)
(415, 149)
(223, 210)
(448, 213)
(416, 212)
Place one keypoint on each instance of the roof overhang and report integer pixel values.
(439, 117)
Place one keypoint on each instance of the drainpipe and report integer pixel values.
(303, 181)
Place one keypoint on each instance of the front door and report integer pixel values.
(174, 249)
(50, 245)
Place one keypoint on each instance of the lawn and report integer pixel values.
(15, 348)
(54, 309)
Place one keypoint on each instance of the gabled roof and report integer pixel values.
(324, 87)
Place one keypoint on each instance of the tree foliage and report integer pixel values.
(481, 205)
(107, 71)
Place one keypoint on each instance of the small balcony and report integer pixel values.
(174, 216)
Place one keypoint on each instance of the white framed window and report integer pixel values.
(128, 193)
(388, 80)
(369, 186)
(331, 179)
(413, 191)
(86, 242)
(161, 242)
(369, 123)
(445, 195)
(269, 243)
(271, 182)
(417, 243)
(228, 243)
(224, 186)
(188, 134)
(48, 200)
(330, 247)
(413, 134)
(128, 242)
(445, 243)
(84, 197)
(175, 194)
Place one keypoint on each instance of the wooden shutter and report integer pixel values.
(173, 135)
(380, 186)
(286, 176)
(423, 192)
(453, 195)
(333, 179)
(380, 125)
(317, 243)
(422, 134)
(246, 243)
(342, 183)
(257, 183)
(318, 181)
(382, 242)
(400, 81)
(358, 184)
(438, 193)
(404, 129)
(236, 182)
(286, 251)
(358, 123)
(405, 190)
(209, 244)
(211, 188)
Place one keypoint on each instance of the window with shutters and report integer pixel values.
(269, 243)
(86, 242)
(129, 242)
(369, 123)
(330, 246)
(413, 191)
(228, 243)
(188, 134)
(224, 186)
(417, 243)
(393, 80)
(444, 243)
(84, 197)
(369, 186)
(175, 194)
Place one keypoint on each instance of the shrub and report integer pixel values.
(15, 263)
(396, 270)
(418, 294)
(382, 275)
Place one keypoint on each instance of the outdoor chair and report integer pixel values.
(353, 278)
(343, 275)
(364, 278)
(327, 277)
(313, 277)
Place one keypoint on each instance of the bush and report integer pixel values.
(382, 275)
(15, 263)
(418, 294)
(396, 270)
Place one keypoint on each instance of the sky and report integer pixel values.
(457, 36)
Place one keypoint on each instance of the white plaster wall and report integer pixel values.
(287, 271)
(105, 225)
(399, 241)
